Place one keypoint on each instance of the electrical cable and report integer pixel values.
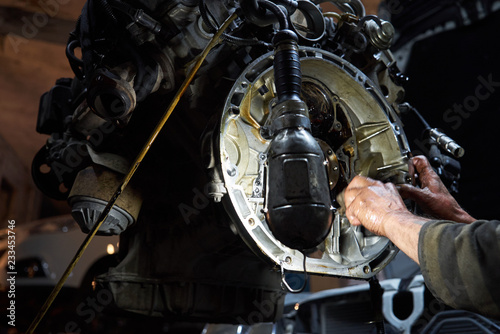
(213, 42)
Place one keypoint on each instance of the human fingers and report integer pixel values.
(352, 200)
(428, 178)
(355, 205)
(408, 191)
(361, 181)
(366, 186)
(355, 187)
(412, 172)
(420, 162)
(423, 168)
(370, 202)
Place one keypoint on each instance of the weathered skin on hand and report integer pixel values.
(432, 196)
(370, 202)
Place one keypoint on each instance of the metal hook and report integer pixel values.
(284, 283)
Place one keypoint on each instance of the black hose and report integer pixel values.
(144, 79)
(277, 12)
(287, 72)
(204, 15)
(75, 63)
(70, 52)
(244, 41)
(256, 14)
(204, 12)
(286, 64)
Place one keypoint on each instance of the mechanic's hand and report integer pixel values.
(433, 197)
(372, 204)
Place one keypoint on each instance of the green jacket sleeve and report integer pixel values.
(461, 264)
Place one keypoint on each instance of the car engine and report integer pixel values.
(244, 183)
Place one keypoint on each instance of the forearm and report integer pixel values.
(403, 230)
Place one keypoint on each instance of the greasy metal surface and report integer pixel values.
(363, 136)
